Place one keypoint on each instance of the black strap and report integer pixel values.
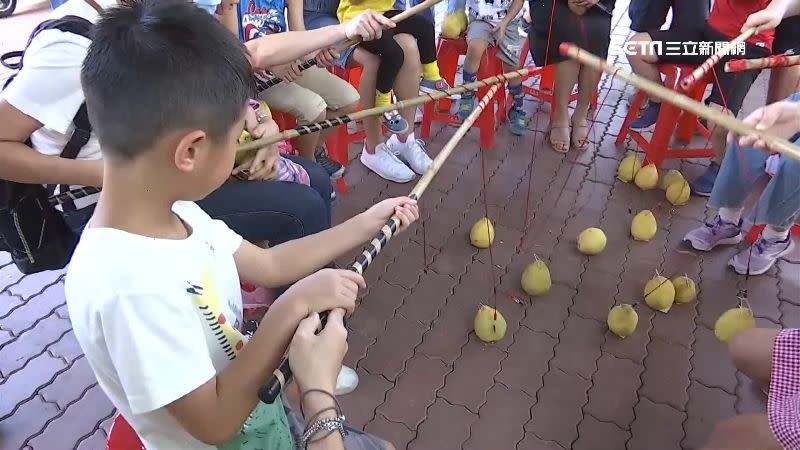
(80, 137)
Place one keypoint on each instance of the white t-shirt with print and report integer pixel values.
(152, 316)
(48, 88)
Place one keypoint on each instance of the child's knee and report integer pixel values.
(477, 47)
(751, 352)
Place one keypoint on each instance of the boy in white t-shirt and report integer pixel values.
(494, 23)
(153, 287)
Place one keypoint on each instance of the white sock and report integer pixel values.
(775, 234)
(731, 215)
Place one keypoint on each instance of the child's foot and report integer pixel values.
(765, 254)
(395, 122)
(648, 117)
(516, 121)
(411, 152)
(705, 184)
(465, 106)
(713, 234)
(433, 86)
(334, 169)
(558, 135)
(384, 163)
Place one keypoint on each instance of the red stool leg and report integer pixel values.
(447, 56)
(427, 120)
(337, 150)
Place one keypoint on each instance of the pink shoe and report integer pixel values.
(255, 297)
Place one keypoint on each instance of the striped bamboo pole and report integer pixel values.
(269, 392)
(740, 65)
(262, 85)
(416, 101)
(656, 90)
(690, 80)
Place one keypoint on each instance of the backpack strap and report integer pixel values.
(80, 137)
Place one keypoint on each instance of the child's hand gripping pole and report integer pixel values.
(281, 375)
(262, 85)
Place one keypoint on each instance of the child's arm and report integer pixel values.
(771, 16)
(513, 10)
(215, 411)
(282, 48)
(293, 260)
(295, 15)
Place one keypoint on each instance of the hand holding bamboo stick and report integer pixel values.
(656, 90)
(266, 84)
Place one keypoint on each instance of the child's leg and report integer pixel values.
(425, 34)
(751, 352)
(508, 51)
(391, 60)
(479, 37)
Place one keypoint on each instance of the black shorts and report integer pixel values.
(733, 86)
(787, 36)
(649, 15)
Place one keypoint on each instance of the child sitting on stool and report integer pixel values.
(494, 23)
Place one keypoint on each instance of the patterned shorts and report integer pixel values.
(783, 405)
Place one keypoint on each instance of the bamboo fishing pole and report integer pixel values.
(690, 80)
(740, 65)
(262, 84)
(656, 90)
(269, 392)
(416, 101)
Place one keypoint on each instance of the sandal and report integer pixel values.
(558, 147)
(580, 143)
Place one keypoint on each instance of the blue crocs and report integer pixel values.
(516, 121)
(648, 117)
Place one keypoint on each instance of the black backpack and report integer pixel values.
(31, 228)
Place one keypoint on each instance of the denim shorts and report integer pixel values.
(314, 20)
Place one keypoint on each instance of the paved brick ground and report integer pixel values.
(558, 380)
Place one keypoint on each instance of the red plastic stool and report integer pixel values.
(670, 119)
(756, 230)
(545, 91)
(122, 437)
(447, 55)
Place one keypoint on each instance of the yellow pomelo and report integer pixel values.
(628, 168)
(622, 320)
(647, 178)
(482, 233)
(733, 322)
(644, 226)
(454, 24)
(671, 177)
(490, 326)
(678, 192)
(536, 278)
(591, 241)
(685, 289)
(659, 293)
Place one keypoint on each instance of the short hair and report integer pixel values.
(157, 66)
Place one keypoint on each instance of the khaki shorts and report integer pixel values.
(311, 95)
(510, 45)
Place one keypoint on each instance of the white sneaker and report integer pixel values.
(386, 164)
(411, 152)
(346, 382)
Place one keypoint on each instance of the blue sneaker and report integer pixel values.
(705, 183)
(516, 121)
(432, 87)
(648, 117)
(465, 106)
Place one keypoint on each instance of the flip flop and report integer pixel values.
(561, 147)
